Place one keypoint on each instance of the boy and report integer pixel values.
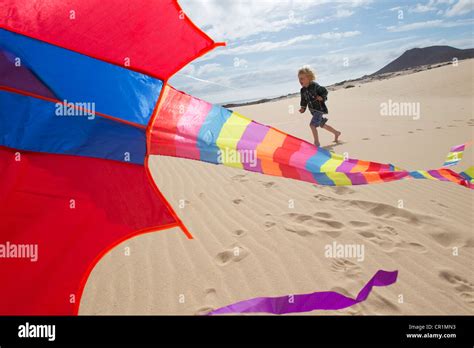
(314, 96)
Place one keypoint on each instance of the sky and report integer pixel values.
(269, 40)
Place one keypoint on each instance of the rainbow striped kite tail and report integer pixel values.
(455, 154)
(394, 168)
(468, 175)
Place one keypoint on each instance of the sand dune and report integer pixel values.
(258, 235)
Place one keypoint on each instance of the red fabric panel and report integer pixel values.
(113, 201)
(374, 167)
(155, 36)
(283, 155)
(164, 129)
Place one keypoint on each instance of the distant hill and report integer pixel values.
(424, 56)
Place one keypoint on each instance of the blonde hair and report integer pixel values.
(306, 70)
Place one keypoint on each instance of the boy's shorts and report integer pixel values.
(318, 119)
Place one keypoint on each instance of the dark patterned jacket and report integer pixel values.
(308, 98)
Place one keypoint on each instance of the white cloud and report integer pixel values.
(354, 3)
(209, 68)
(436, 23)
(343, 13)
(233, 20)
(462, 7)
(205, 69)
(419, 8)
(340, 13)
(338, 35)
(239, 19)
(416, 25)
(264, 46)
(431, 5)
(388, 42)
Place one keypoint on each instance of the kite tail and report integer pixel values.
(454, 156)
(188, 127)
(325, 300)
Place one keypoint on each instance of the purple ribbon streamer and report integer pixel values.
(325, 300)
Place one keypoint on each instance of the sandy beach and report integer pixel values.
(257, 235)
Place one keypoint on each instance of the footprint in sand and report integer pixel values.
(307, 225)
(239, 178)
(382, 210)
(323, 215)
(439, 127)
(342, 190)
(463, 287)
(269, 224)
(210, 294)
(339, 190)
(387, 238)
(440, 204)
(385, 229)
(384, 135)
(235, 253)
(444, 236)
(359, 223)
(349, 268)
(419, 129)
(365, 138)
(438, 229)
(237, 201)
(469, 243)
(239, 233)
(268, 184)
(299, 230)
(323, 198)
(411, 132)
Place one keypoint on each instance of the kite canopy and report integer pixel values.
(152, 37)
(74, 187)
(77, 186)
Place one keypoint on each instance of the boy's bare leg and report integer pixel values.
(315, 135)
(333, 131)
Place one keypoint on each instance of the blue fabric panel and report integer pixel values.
(28, 123)
(209, 132)
(74, 77)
